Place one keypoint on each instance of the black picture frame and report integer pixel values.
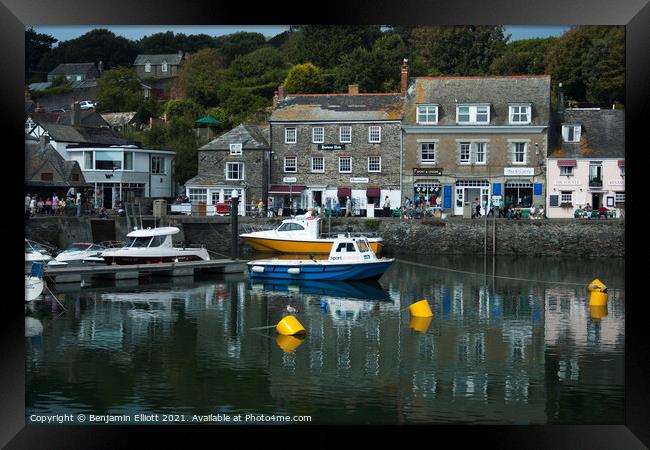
(15, 14)
(610, 201)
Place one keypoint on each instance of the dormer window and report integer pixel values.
(147, 67)
(570, 133)
(520, 114)
(473, 114)
(427, 114)
(235, 149)
(164, 66)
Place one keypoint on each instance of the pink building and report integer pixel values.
(586, 162)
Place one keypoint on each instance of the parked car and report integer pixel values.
(87, 104)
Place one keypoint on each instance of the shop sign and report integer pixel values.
(289, 179)
(616, 183)
(427, 171)
(567, 182)
(331, 146)
(358, 180)
(523, 171)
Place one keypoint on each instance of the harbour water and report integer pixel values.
(510, 342)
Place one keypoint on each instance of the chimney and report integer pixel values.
(282, 93)
(100, 67)
(76, 114)
(275, 98)
(560, 98)
(405, 76)
(353, 89)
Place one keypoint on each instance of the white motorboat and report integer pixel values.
(299, 235)
(34, 283)
(153, 245)
(79, 253)
(350, 259)
(35, 252)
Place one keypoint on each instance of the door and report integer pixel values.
(471, 195)
(595, 201)
(318, 198)
(108, 197)
(458, 209)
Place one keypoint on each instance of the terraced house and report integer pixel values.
(468, 138)
(326, 147)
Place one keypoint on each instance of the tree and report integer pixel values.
(201, 75)
(524, 57)
(168, 42)
(232, 45)
(119, 90)
(327, 45)
(304, 79)
(37, 45)
(184, 108)
(589, 61)
(458, 50)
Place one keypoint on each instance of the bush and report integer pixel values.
(371, 224)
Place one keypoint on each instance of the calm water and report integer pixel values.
(510, 343)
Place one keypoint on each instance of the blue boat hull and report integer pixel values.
(339, 272)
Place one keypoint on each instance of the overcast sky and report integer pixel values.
(134, 32)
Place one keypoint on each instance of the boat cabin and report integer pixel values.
(149, 238)
(345, 249)
(302, 227)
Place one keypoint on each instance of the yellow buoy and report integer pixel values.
(420, 324)
(420, 309)
(289, 326)
(596, 285)
(597, 298)
(288, 343)
(598, 312)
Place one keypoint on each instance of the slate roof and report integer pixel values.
(602, 134)
(157, 60)
(37, 156)
(249, 135)
(75, 69)
(337, 107)
(118, 119)
(204, 180)
(498, 91)
(87, 118)
(85, 135)
(40, 86)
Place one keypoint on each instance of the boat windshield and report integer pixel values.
(138, 241)
(363, 247)
(345, 247)
(290, 227)
(78, 247)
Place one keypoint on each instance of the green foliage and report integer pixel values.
(304, 79)
(119, 90)
(241, 43)
(524, 57)
(201, 76)
(589, 62)
(37, 45)
(184, 108)
(371, 224)
(52, 90)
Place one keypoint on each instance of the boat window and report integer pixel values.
(363, 247)
(341, 247)
(138, 241)
(290, 227)
(157, 241)
(345, 247)
(350, 246)
(78, 247)
(97, 247)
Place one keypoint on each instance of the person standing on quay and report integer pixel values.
(387, 207)
(348, 207)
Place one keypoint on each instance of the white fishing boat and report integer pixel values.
(79, 254)
(351, 258)
(35, 252)
(299, 235)
(153, 245)
(34, 283)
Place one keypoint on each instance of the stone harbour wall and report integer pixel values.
(555, 237)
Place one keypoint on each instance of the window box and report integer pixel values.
(566, 205)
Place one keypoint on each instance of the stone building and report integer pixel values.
(158, 66)
(237, 160)
(586, 161)
(476, 137)
(76, 72)
(326, 147)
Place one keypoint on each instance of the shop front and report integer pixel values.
(428, 191)
(108, 195)
(287, 199)
(467, 191)
(518, 194)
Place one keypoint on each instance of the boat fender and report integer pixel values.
(294, 270)
(258, 269)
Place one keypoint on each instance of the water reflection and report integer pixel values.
(505, 351)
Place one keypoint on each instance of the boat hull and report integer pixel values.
(338, 272)
(320, 246)
(33, 288)
(124, 260)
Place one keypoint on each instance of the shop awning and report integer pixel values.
(373, 192)
(344, 192)
(285, 189)
(567, 163)
(621, 163)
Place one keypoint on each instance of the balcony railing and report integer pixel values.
(595, 182)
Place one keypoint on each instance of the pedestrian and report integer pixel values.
(533, 212)
(55, 204)
(407, 203)
(260, 208)
(387, 207)
(602, 212)
(541, 212)
(48, 206)
(78, 204)
(348, 207)
(28, 200)
(477, 205)
(32, 205)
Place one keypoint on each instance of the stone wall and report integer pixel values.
(560, 237)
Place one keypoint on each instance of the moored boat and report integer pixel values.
(299, 235)
(153, 246)
(35, 253)
(79, 253)
(350, 259)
